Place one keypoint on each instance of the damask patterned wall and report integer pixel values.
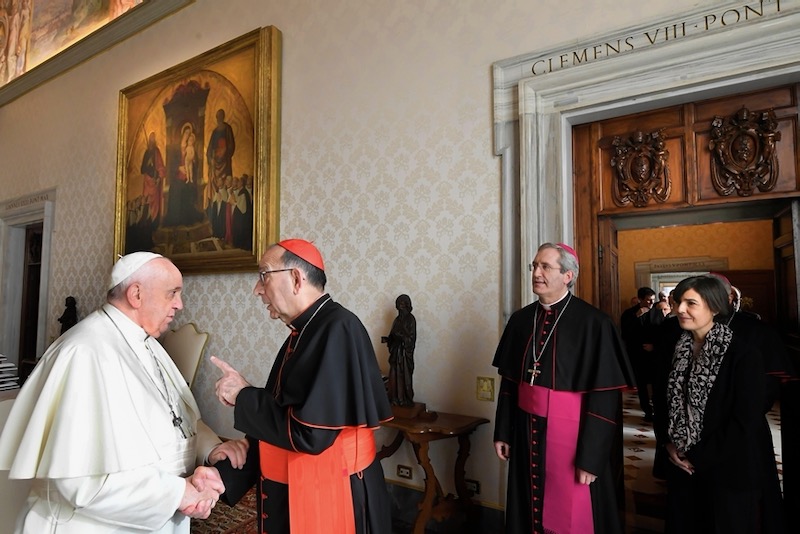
(387, 163)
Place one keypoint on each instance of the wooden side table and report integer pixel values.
(420, 431)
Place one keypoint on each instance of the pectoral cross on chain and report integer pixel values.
(535, 372)
(177, 421)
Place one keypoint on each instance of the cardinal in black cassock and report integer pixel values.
(312, 451)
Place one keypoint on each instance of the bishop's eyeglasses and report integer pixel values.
(546, 267)
(262, 275)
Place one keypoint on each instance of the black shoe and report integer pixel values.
(648, 417)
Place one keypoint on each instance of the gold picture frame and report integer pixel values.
(198, 158)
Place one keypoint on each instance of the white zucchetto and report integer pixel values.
(129, 264)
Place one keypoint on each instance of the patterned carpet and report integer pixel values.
(241, 519)
(645, 495)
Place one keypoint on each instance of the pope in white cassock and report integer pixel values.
(106, 425)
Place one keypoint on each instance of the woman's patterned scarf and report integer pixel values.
(690, 382)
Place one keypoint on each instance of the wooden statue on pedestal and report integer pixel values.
(401, 342)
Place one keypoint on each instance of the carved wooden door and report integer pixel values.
(608, 266)
(673, 163)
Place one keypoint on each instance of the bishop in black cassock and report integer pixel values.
(559, 414)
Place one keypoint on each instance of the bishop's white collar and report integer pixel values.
(548, 306)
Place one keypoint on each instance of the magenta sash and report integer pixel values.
(567, 503)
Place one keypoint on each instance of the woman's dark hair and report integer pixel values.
(710, 289)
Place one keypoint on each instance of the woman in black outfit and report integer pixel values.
(721, 472)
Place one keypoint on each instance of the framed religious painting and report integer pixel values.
(198, 158)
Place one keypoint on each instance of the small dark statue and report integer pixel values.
(400, 342)
(69, 318)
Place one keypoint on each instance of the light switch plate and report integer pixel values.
(485, 388)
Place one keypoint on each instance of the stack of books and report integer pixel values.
(9, 377)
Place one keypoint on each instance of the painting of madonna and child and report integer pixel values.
(190, 179)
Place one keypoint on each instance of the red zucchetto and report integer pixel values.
(570, 250)
(305, 250)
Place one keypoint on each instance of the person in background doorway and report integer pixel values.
(638, 331)
(736, 302)
(671, 301)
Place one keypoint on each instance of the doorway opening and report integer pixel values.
(26, 227)
(661, 256)
(29, 312)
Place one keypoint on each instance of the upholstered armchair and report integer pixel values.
(186, 346)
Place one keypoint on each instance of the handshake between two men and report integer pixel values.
(204, 486)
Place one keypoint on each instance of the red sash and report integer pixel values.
(567, 502)
(320, 498)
